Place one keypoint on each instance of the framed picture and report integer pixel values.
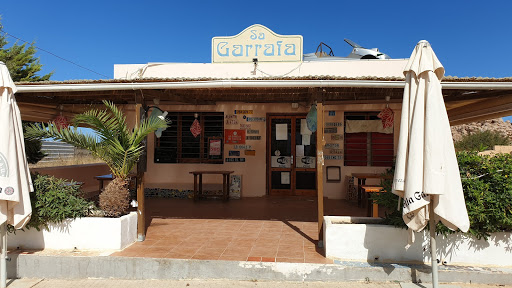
(333, 173)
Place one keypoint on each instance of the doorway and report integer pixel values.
(291, 156)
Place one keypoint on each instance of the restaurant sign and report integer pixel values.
(257, 42)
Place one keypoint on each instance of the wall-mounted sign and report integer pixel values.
(245, 126)
(231, 121)
(305, 162)
(333, 124)
(250, 131)
(257, 41)
(234, 153)
(255, 119)
(332, 113)
(252, 137)
(234, 160)
(336, 151)
(332, 145)
(335, 137)
(243, 111)
(250, 152)
(281, 161)
(330, 130)
(243, 147)
(333, 157)
(234, 136)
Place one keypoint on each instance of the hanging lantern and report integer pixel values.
(61, 122)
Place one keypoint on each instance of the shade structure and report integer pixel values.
(426, 172)
(15, 181)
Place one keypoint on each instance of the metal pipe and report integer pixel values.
(3, 256)
(433, 246)
(250, 84)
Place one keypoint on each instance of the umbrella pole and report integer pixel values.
(3, 256)
(433, 248)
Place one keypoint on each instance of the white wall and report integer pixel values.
(88, 233)
(342, 68)
(384, 243)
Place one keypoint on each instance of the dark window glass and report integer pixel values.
(367, 149)
(178, 144)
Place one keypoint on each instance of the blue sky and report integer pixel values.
(471, 38)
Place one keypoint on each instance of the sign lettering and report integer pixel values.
(257, 41)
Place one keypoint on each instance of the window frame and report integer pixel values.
(176, 136)
(370, 138)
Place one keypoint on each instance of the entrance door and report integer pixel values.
(291, 156)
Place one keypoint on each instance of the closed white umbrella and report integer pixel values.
(426, 173)
(15, 182)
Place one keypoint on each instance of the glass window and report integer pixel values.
(178, 144)
(367, 148)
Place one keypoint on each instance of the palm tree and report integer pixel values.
(113, 143)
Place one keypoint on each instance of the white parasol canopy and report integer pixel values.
(426, 169)
(426, 172)
(15, 181)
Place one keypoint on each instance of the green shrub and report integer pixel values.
(55, 200)
(481, 140)
(487, 185)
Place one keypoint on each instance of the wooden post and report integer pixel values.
(319, 168)
(141, 209)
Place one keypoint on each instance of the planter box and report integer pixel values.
(88, 233)
(349, 238)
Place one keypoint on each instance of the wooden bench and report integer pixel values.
(375, 207)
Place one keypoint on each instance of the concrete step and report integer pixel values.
(104, 267)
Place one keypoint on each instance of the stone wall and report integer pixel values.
(504, 127)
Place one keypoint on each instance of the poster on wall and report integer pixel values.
(235, 186)
(282, 131)
(215, 145)
(285, 178)
(234, 136)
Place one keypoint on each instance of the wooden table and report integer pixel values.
(198, 190)
(102, 178)
(361, 180)
(110, 177)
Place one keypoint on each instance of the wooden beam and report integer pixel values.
(485, 109)
(320, 165)
(141, 209)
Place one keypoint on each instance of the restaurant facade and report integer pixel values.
(281, 122)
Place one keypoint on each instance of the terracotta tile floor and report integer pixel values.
(266, 229)
(225, 239)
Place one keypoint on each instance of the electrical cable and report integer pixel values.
(55, 55)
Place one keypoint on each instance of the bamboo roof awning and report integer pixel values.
(467, 99)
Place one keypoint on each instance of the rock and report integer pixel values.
(503, 127)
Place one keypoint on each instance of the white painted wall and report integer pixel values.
(342, 68)
(88, 233)
(366, 242)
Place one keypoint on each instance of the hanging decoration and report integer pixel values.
(311, 118)
(157, 112)
(387, 115)
(196, 127)
(61, 121)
